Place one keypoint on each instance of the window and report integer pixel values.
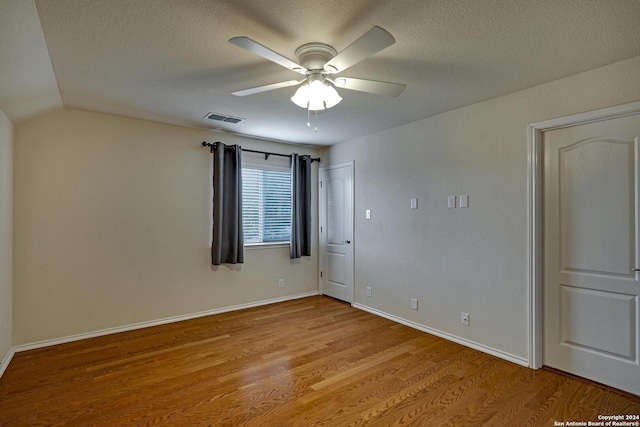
(266, 204)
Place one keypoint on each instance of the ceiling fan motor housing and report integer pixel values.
(313, 56)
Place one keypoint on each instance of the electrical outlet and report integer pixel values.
(414, 303)
(464, 319)
(369, 292)
(281, 283)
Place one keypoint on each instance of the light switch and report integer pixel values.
(451, 202)
(414, 203)
(367, 214)
(464, 201)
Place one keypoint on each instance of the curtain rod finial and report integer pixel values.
(208, 144)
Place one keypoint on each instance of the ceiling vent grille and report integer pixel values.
(224, 118)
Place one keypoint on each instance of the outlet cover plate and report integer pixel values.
(464, 319)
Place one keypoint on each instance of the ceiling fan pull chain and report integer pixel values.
(315, 129)
(308, 118)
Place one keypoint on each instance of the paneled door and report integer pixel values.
(590, 251)
(336, 231)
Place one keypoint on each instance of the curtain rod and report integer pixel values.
(266, 153)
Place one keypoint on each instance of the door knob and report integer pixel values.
(347, 241)
(635, 269)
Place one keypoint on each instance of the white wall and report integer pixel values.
(454, 260)
(112, 227)
(6, 232)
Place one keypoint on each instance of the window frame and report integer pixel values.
(268, 167)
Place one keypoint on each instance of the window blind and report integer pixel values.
(266, 205)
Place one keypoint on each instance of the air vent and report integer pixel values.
(224, 118)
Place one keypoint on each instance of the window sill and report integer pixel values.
(269, 245)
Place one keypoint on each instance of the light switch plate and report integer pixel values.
(451, 202)
(414, 203)
(464, 201)
(367, 214)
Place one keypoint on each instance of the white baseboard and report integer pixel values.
(46, 343)
(6, 360)
(109, 331)
(483, 348)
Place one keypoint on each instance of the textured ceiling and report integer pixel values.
(170, 60)
(27, 84)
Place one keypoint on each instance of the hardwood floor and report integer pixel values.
(309, 362)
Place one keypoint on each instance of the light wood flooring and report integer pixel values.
(308, 362)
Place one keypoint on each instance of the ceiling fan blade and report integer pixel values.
(370, 86)
(371, 42)
(265, 88)
(255, 47)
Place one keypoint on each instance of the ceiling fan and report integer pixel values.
(318, 62)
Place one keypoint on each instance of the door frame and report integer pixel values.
(535, 172)
(321, 221)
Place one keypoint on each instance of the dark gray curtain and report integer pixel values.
(228, 242)
(300, 206)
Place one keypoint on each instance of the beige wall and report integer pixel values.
(112, 227)
(6, 232)
(454, 260)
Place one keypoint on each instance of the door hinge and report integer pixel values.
(321, 229)
(320, 184)
(321, 274)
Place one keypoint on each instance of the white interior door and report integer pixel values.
(590, 251)
(336, 231)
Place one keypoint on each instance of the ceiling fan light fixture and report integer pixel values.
(331, 96)
(301, 97)
(316, 96)
(316, 104)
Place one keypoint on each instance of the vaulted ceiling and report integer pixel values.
(170, 60)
